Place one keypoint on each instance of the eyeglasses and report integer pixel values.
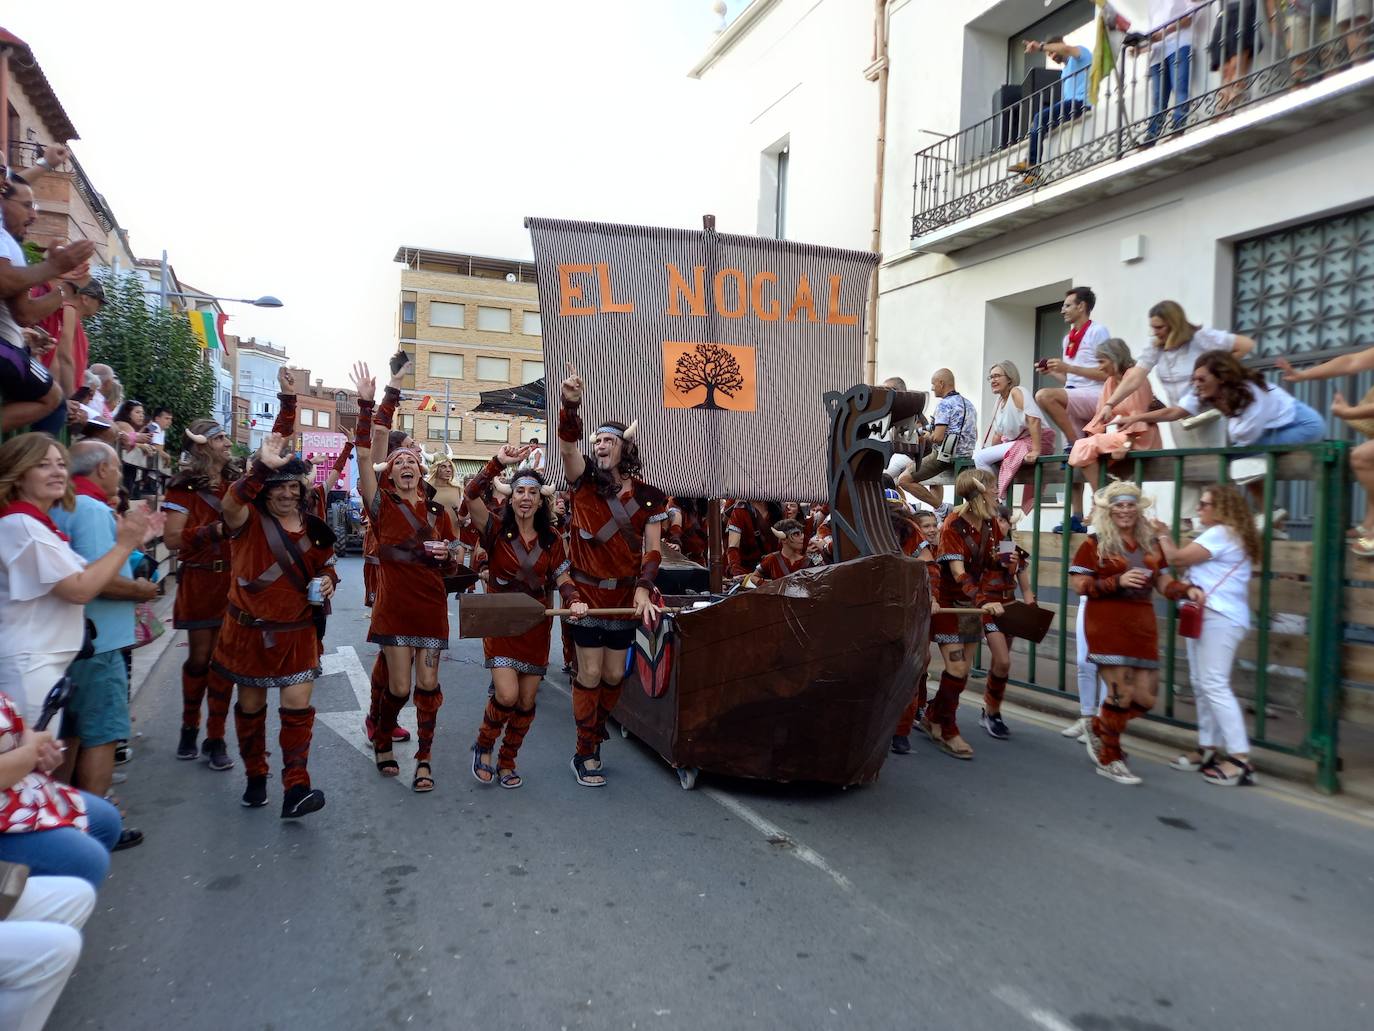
(1206, 504)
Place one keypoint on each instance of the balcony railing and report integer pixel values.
(1231, 55)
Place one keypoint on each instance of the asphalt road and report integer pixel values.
(1015, 891)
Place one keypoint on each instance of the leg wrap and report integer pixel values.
(252, 733)
(219, 694)
(946, 704)
(908, 718)
(389, 706)
(297, 727)
(994, 693)
(380, 679)
(607, 697)
(493, 720)
(1108, 725)
(569, 649)
(427, 705)
(516, 729)
(192, 694)
(1137, 710)
(585, 708)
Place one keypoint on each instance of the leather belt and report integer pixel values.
(605, 585)
(217, 566)
(269, 630)
(371, 560)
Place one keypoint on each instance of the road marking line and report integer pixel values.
(1027, 1007)
(348, 725)
(776, 835)
(345, 660)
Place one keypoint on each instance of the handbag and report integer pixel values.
(1190, 612)
(147, 627)
(13, 878)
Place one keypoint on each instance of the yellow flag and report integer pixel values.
(1104, 60)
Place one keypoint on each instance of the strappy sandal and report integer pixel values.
(422, 782)
(386, 762)
(479, 767)
(510, 779)
(955, 746)
(1214, 774)
(1191, 762)
(584, 774)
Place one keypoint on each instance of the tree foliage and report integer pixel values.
(154, 353)
(710, 366)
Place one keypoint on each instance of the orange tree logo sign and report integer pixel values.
(712, 376)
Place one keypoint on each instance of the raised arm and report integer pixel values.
(1345, 365)
(366, 386)
(285, 423)
(570, 427)
(477, 486)
(239, 497)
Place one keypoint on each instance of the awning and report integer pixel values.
(527, 399)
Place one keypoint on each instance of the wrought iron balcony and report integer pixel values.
(1238, 60)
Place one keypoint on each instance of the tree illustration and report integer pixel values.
(710, 366)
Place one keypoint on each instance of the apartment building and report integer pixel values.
(470, 323)
(256, 370)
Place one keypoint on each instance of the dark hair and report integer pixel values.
(93, 290)
(394, 439)
(543, 523)
(1004, 513)
(534, 440)
(1084, 295)
(159, 410)
(926, 513)
(786, 526)
(127, 408)
(1234, 378)
(629, 464)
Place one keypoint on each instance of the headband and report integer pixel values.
(614, 431)
(1123, 497)
(210, 434)
(526, 481)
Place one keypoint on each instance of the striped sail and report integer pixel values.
(721, 346)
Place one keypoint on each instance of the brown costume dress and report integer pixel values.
(527, 567)
(607, 542)
(1119, 623)
(203, 569)
(976, 548)
(411, 606)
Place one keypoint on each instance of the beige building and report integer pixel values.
(470, 323)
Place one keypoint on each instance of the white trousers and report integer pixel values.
(1089, 683)
(40, 943)
(990, 457)
(1220, 722)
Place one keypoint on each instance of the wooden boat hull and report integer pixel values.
(802, 679)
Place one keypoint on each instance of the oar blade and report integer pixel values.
(497, 615)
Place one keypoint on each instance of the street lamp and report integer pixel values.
(265, 301)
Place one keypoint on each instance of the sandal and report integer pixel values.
(510, 779)
(1191, 762)
(479, 767)
(386, 762)
(422, 782)
(955, 746)
(1216, 775)
(585, 773)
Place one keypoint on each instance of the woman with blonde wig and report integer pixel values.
(967, 557)
(1115, 573)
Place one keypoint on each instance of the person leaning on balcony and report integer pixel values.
(1106, 436)
(1018, 432)
(1235, 38)
(1219, 562)
(953, 434)
(1071, 406)
(1303, 24)
(29, 392)
(1361, 418)
(1073, 97)
(1171, 58)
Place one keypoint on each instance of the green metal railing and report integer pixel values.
(1327, 466)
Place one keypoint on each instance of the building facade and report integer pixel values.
(470, 323)
(258, 362)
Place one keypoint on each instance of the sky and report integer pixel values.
(290, 148)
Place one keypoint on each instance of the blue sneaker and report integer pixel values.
(1075, 526)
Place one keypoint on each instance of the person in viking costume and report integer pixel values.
(617, 520)
(410, 611)
(282, 567)
(525, 555)
(790, 556)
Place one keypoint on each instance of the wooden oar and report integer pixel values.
(509, 615)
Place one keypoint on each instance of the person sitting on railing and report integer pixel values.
(1018, 431)
(1073, 86)
(953, 434)
(1108, 436)
(1071, 406)
(1360, 416)
(1219, 563)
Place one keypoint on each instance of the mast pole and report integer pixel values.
(715, 537)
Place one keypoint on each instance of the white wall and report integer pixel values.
(258, 384)
(798, 72)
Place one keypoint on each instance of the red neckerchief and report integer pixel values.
(86, 489)
(1076, 338)
(33, 512)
